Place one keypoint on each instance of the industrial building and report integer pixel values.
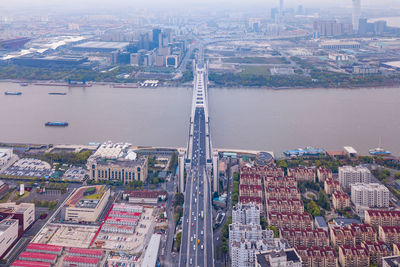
(44, 248)
(104, 47)
(50, 61)
(151, 255)
(86, 204)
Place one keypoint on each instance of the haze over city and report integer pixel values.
(199, 133)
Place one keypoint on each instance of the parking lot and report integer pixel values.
(134, 243)
(67, 235)
(28, 167)
(75, 174)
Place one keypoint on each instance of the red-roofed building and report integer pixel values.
(340, 200)
(302, 173)
(81, 261)
(19, 263)
(284, 205)
(44, 248)
(250, 190)
(389, 234)
(318, 256)
(120, 229)
(382, 217)
(95, 253)
(376, 251)
(287, 181)
(331, 186)
(282, 192)
(323, 174)
(353, 256)
(291, 220)
(306, 237)
(121, 221)
(124, 214)
(35, 256)
(146, 196)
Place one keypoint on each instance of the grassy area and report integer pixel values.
(256, 60)
(256, 70)
(94, 196)
(18, 197)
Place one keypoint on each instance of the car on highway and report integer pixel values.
(190, 261)
(192, 224)
(202, 247)
(194, 247)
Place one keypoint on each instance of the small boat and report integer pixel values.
(13, 93)
(56, 93)
(379, 152)
(23, 84)
(56, 123)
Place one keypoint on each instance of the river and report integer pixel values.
(259, 119)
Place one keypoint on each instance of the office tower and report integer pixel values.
(356, 14)
(156, 38)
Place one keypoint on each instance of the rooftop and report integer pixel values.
(103, 45)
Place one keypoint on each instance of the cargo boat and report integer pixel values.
(56, 123)
(13, 93)
(56, 93)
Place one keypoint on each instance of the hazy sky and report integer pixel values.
(50, 5)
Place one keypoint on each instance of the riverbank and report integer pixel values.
(60, 83)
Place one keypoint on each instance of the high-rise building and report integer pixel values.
(156, 38)
(246, 213)
(350, 175)
(356, 14)
(281, 8)
(365, 196)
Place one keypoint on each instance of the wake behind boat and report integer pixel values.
(56, 123)
(13, 93)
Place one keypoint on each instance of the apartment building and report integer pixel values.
(376, 251)
(340, 200)
(353, 256)
(272, 171)
(352, 235)
(282, 192)
(305, 238)
(284, 205)
(323, 174)
(372, 195)
(331, 186)
(282, 258)
(246, 213)
(290, 220)
(287, 181)
(349, 175)
(302, 173)
(23, 212)
(318, 256)
(250, 190)
(396, 249)
(382, 217)
(389, 234)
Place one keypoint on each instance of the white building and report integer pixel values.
(26, 211)
(247, 239)
(356, 12)
(151, 255)
(8, 234)
(350, 175)
(5, 155)
(365, 196)
(246, 213)
(278, 258)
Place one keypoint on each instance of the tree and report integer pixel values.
(178, 199)
(178, 240)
